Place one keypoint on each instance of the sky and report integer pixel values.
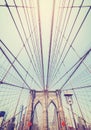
(23, 31)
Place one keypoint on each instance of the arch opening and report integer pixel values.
(37, 117)
(52, 117)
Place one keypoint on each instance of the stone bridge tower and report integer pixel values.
(45, 98)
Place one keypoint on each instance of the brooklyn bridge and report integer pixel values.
(45, 64)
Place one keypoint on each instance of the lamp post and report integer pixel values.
(70, 102)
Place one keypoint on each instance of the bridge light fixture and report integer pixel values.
(69, 101)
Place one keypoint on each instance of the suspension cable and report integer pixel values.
(19, 63)
(21, 37)
(49, 55)
(39, 20)
(73, 41)
(58, 63)
(15, 68)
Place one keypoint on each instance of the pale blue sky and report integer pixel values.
(61, 29)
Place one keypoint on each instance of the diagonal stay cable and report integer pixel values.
(35, 47)
(83, 62)
(12, 85)
(64, 26)
(12, 63)
(20, 36)
(13, 6)
(26, 34)
(76, 6)
(73, 40)
(24, 30)
(9, 73)
(71, 28)
(56, 70)
(34, 41)
(76, 68)
(15, 68)
(19, 63)
(28, 18)
(79, 87)
(77, 63)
